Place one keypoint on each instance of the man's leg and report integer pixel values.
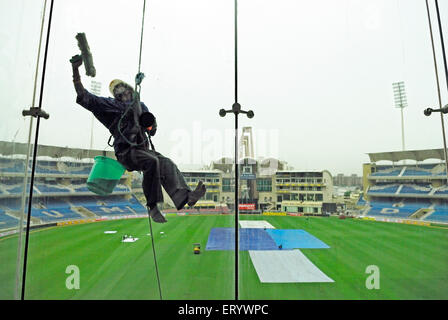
(150, 166)
(174, 183)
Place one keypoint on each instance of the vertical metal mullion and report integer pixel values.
(236, 157)
(36, 140)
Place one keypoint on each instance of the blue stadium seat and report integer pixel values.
(45, 188)
(16, 189)
(47, 167)
(105, 206)
(416, 189)
(78, 168)
(7, 221)
(440, 214)
(12, 165)
(361, 201)
(441, 191)
(384, 188)
(387, 171)
(55, 214)
(416, 172)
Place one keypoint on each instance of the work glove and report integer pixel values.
(148, 121)
(76, 61)
(153, 128)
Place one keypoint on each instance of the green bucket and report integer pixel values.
(104, 176)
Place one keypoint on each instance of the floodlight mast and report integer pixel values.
(95, 87)
(401, 103)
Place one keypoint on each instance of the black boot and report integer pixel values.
(156, 215)
(195, 195)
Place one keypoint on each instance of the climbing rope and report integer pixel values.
(136, 99)
(154, 255)
(137, 89)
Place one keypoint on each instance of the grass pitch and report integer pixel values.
(412, 261)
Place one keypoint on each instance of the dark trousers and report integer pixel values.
(158, 171)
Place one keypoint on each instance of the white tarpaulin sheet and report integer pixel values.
(285, 266)
(256, 224)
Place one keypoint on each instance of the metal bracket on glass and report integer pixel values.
(35, 112)
(428, 111)
(236, 109)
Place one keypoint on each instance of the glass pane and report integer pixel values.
(18, 80)
(99, 246)
(319, 77)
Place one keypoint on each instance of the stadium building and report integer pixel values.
(60, 193)
(415, 191)
(267, 185)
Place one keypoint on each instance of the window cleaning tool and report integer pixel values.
(85, 55)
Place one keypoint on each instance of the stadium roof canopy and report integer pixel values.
(17, 148)
(417, 155)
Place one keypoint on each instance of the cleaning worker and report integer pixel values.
(131, 144)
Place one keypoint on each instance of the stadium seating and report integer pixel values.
(424, 170)
(361, 201)
(383, 188)
(440, 214)
(217, 210)
(55, 201)
(421, 170)
(105, 206)
(15, 189)
(75, 168)
(46, 167)
(7, 221)
(387, 171)
(52, 214)
(441, 191)
(53, 209)
(416, 189)
(12, 165)
(401, 209)
(49, 188)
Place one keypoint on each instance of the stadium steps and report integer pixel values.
(434, 190)
(16, 214)
(271, 206)
(399, 187)
(421, 214)
(84, 212)
(402, 171)
(438, 170)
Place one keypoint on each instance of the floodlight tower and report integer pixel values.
(401, 103)
(95, 87)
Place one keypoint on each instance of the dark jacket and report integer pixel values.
(109, 111)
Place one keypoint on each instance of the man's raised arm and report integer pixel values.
(76, 62)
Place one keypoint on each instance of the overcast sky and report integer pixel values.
(317, 74)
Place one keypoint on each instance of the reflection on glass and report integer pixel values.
(322, 219)
(332, 203)
(19, 57)
(86, 245)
